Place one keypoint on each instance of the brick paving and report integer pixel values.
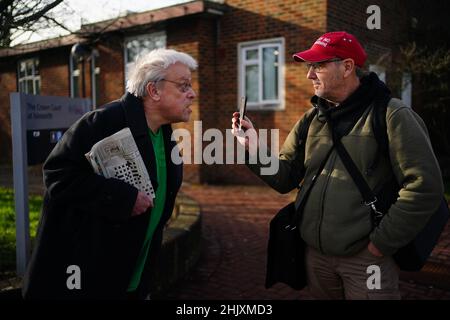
(235, 222)
(235, 225)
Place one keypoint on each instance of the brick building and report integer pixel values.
(242, 46)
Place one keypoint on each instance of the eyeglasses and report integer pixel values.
(182, 86)
(319, 66)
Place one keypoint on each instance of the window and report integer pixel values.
(29, 77)
(140, 45)
(261, 70)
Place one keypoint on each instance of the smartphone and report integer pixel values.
(242, 109)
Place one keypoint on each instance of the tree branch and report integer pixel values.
(39, 14)
(57, 23)
(5, 4)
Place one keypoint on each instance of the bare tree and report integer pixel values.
(18, 16)
(428, 69)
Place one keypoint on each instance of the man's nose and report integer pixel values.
(311, 74)
(191, 93)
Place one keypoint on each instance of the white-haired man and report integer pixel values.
(105, 230)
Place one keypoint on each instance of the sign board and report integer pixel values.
(47, 120)
(37, 122)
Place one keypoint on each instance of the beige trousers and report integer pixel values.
(361, 277)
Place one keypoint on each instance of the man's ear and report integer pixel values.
(152, 91)
(349, 67)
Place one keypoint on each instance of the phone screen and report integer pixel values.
(242, 109)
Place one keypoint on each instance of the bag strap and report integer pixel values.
(368, 196)
(380, 133)
(303, 135)
(304, 128)
(379, 124)
(380, 128)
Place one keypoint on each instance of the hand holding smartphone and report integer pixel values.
(242, 110)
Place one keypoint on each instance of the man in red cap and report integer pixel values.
(345, 51)
(349, 254)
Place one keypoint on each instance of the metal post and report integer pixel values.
(20, 169)
(81, 52)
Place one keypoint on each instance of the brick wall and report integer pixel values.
(54, 70)
(298, 22)
(112, 72)
(206, 106)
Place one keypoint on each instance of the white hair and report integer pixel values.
(152, 67)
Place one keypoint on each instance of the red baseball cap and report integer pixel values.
(339, 44)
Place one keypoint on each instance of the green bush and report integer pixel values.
(8, 227)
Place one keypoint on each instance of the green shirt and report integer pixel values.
(158, 206)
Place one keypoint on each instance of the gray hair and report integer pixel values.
(152, 67)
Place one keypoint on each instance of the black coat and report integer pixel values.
(86, 218)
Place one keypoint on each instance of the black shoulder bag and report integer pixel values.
(286, 248)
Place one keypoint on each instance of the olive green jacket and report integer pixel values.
(335, 220)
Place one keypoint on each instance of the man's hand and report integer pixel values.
(374, 250)
(243, 138)
(143, 202)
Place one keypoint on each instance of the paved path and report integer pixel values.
(235, 229)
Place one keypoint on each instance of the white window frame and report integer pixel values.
(32, 77)
(128, 65)
(243, 47)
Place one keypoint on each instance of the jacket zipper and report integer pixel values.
(322, 205)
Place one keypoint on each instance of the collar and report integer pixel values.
(370, 88)
(134, 114)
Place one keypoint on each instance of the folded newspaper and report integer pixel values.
(117, 156)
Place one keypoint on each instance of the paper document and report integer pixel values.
(117, 156)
